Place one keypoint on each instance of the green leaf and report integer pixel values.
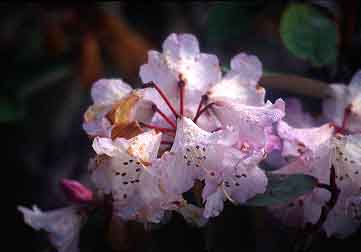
(282, 189)
(227, 21)
(309, 35)
(10, 112)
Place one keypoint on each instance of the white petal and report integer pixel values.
(334, 107)
(296, 140)
(181, 60)
(145, 146)
(181, 46)
(240, 83)
(355, 84)
(193, 215)
(245, 183)
(107, 146)
(250, 121)
(347, 158)
(108, 91)
(249, 66)
(214, 204)
(296, 117)
(63, 225)
(156, 70)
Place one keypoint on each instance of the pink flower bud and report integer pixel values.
(76, 192)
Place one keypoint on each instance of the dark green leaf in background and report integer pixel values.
(10, 111)
(309, 35)
(283, 188)
(229, 20)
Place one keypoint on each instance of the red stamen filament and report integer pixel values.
(202, 111)
(181, 85)
(164, 116)
(216, 129)
(337, 128)
(203, 99)
(164, 97)
(166, 142)
(164, 130)
(346, 116)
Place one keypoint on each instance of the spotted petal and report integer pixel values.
(296, 140)
(123, 171)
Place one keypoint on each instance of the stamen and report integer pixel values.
(181, 85)
(202, 111)
(164, 116)
(217, 129)
(161, 129)
(164, 97)
(337, 128)
(203, 100)
(166, 142)
(346, 116)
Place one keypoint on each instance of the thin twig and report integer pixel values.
(313, 229)
(296, 84)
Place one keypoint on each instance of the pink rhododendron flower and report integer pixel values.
(190, 129)
(188, 85)
(63, 225)
(123, 172)
(344, 105)
(315, 151)
(106, 95)
(188, 125)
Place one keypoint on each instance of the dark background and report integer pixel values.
(51, 54)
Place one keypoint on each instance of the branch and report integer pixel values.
(330, 204)
(296, 84)
(313, 229)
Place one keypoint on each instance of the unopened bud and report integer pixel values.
(76, 192)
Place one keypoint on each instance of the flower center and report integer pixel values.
(170, 121)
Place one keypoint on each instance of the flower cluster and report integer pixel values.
(317, 149)
(191, 128)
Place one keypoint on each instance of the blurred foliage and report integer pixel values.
(309, 35)
(9, 112)
(282, 189)
(228, 21)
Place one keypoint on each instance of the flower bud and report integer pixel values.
(76, 192)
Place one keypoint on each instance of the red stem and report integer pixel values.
(346, 116)
(203, 99)
(164, 97)
(165, 130)
(313, 229)
(181, 85)
(330, 204)
(164, 116)
(166, 142)
(202, 111)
